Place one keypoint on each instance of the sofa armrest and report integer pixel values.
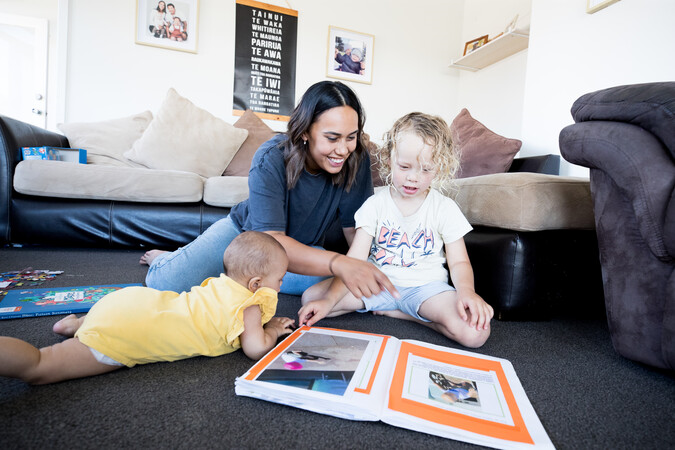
(546, 164)
(15, 134)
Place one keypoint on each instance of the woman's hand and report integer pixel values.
(362, 278)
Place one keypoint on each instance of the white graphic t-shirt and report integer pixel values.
(410, 250)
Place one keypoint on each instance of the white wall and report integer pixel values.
(572, 53)
(526, 96)
(494, 95)
(110, 76)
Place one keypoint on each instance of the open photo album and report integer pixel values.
(353, 375)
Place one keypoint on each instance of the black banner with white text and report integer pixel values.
(264, 60)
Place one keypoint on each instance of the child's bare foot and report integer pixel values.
(149, 256)
(397, 314)
(68, 325)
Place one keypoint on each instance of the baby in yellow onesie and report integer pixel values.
(139, 325)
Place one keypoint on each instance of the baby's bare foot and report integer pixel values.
(68, 325)
(149, 256)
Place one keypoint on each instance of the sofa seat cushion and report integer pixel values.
(100, 182)
(225, 191)
(526, 201)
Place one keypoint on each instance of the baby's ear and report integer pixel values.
(254, 284)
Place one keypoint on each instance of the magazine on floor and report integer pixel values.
(410, 384)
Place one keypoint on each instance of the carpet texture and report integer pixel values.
(586, 396)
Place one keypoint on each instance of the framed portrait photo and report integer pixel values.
(168, 24)
(350, 55)
(475, 44)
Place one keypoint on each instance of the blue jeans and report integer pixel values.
(202, 258)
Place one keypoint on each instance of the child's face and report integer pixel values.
(273, 279)
(176, 22)
(331, 139)
(412, 165)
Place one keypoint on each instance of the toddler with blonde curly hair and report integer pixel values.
(410, 230)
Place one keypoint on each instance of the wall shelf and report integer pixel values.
(505, 45)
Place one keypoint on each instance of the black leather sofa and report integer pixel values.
(524, 275)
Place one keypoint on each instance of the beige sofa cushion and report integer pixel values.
(106, 141)
(100, 182)
(225, 191)
(526, 201)
(185, 137)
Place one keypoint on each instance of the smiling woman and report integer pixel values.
(300, 183)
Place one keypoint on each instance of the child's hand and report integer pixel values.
(282, 325)
(480, 311)
(314, 311)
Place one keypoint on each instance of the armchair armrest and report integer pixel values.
(638, 165)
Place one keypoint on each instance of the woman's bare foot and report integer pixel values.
(149, 256)
(68, 325)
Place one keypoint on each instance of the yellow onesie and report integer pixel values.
(138, 325)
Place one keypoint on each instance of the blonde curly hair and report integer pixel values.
(436, 133)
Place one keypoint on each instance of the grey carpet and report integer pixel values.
(586, 396)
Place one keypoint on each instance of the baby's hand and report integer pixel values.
(314, 311)
(481, 312)
(282, 325)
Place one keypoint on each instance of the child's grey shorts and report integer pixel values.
(410, 301)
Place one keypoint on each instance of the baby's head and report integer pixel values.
(435, 133)
(356, 55)
(176, 21)
(254, 260)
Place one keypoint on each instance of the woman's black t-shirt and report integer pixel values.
(306, 211)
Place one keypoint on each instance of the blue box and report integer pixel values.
(77, 155)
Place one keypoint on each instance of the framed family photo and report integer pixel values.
(350, 55)
(168, 24)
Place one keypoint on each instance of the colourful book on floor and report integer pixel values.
(353, 375)
(20, 303)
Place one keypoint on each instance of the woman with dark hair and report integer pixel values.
(300, 182)
(157, 20)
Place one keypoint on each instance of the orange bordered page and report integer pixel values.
(336, 372)
(461, 395)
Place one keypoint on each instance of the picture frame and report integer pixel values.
(593, 6)
(475, 44)
(160, 29)
(350, 55)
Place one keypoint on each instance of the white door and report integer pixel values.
(23, 68)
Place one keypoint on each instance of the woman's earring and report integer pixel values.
(304, 143)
